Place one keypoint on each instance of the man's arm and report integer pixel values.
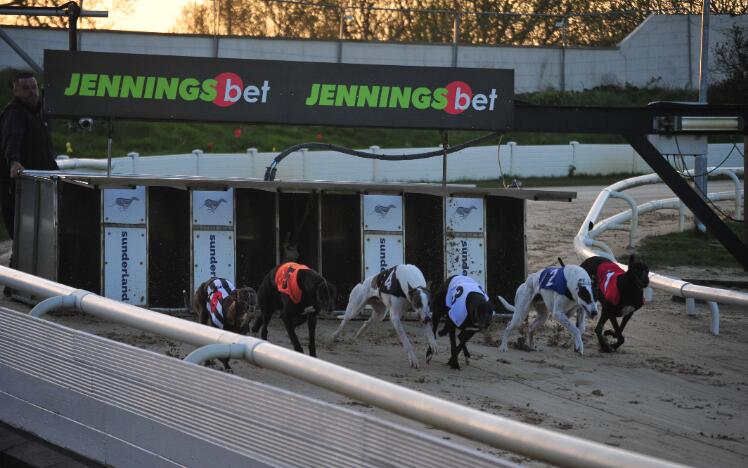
(12, 132)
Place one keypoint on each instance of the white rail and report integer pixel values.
(587, 246)
(537, 443)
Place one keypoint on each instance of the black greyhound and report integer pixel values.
(620, 293)
(306, 288)
(476, 316)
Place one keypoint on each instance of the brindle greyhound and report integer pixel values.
(307, 289)
(218, 304)
(465, 307)
(620, 293)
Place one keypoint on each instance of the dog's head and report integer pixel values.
(245, 309)
(420, 298)
(326, 295)
(580, 285)
(638, 273)
(480, 311)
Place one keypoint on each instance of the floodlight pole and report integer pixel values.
(445, 145)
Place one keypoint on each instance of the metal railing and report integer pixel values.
(503, 433)
(586, 244)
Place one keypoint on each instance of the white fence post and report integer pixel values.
(574, 145)
(511, 145)
(133, 159)
(304, 155)
(252, 153)
(374, 163)
(197, 153)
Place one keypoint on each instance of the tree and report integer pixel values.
(515, 22)
(731, 61)
(62, 21)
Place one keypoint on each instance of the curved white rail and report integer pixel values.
(585, 240)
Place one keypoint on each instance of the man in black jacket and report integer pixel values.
(25, 141)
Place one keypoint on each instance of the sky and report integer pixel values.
(147, 15)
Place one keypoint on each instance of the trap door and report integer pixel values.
(465, 240)
(79, 237)
(424, 234)
(213, 235)
(506, 245)
(341, 242)
(256, 236)
(125, 231)
(168, 246)
(382, 232)
(299, 226)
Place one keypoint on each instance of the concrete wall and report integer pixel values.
(472, 163)
(659, 50)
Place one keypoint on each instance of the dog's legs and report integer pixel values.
(522, 302)
(617, 330)
(560, 315)
(540, 319)
(378, 311)
(464, 337)
(356, 303)
(312, 327)
(453, 350)
(288, 321)
(226, 365)
(604, 346)
(396, 311)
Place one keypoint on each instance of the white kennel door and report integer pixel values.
(465, 246)
(125, 264)
(213, 255)
(382, 227)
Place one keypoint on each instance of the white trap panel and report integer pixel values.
(212, 256)
(125, 265)
(382, 252)
(383, 213)
(467, 256)
(125, 206)
(464, 215)
(213, 208)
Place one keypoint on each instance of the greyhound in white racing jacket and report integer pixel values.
(561, 291)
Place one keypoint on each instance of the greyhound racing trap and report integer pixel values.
(143, 240)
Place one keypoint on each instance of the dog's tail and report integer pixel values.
(561, 262)
(186, 298)
(506, 304)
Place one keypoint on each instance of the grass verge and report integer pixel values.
(689, 248)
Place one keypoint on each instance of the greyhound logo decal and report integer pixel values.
(464, 211)
(382, 210)
(212, 205)
(124, 203)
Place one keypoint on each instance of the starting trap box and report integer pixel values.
(146, 241)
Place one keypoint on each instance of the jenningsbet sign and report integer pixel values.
(153, 87)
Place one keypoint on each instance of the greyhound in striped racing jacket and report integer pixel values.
(561, 291)
(219, 304)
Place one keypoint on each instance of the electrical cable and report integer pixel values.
(271, 170)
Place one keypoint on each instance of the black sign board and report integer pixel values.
(153, 87)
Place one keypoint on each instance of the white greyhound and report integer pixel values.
(394, 290)
(562, 291)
